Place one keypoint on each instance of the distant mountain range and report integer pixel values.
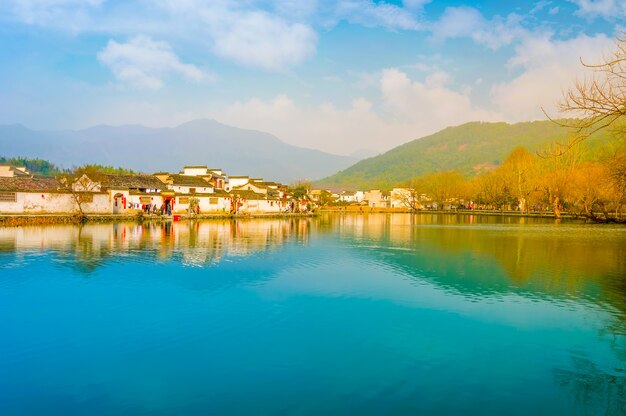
(471, 149)
(201, 142)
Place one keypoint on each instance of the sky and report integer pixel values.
(342, 76)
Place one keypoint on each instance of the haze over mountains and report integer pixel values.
(200, 142)
(470, 149)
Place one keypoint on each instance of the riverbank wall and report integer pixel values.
(14, 220)
(383, 210)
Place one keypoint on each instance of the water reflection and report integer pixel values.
(595, 391)
(194, 243)
(486, 255)
(380, 313)
(472, 255)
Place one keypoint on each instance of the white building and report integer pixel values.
(377, 199)
(10, 171)
(352, 196)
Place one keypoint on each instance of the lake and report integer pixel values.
(341, 314)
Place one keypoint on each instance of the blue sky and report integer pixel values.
(339, 76)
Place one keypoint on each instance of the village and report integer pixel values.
(196, 190)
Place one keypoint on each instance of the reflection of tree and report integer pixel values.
(596, 391)
(542, 260)
(554, 263)
(83, 254)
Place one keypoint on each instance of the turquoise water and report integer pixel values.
(374, 314)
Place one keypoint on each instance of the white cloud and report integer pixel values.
(415, 4)
(608, 9)
(69, 14)
(459, 22)
(246, 33)
(295, 9)
(539, 6)
(428, 105)
(407, 110)
(143, 62)
(323, 127)
(263, 40)
(548, 67)
(271, 34)
(373, 14)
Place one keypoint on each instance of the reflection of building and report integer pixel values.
(197, 242)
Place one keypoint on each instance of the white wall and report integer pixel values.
(261, 206)
(208, 204)
(195, 171)
(237, 182)
(46, 202)
(199, 189)
(103, 203)
(222, 205)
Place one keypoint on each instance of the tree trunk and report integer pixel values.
(555, 207)
(79, 204)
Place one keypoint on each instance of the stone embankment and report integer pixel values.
(373, 210)
(11, 220)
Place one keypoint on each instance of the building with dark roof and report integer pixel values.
(28, 184)
(140, 183)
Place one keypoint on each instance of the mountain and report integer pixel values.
(470, 148)
(364, 153)
(200, 142)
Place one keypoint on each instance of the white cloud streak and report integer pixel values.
(274, 35)
(142, 62)
(259, 39)
(369, 13)
(408, 109)
(608, 9)
(548, 67)
(68, 14)
(467, 22)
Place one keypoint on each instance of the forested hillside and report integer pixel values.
(470, 149)
(34, 166)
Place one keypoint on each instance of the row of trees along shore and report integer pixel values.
(594, 188)
(563, 175)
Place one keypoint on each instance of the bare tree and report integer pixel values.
(81, 183)
(302, 184)
(617, 176)
(409, 197)
(596, 102)
(520, 167)
(442, 186)
(194, 206)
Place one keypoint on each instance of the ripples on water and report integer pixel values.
(372, 314)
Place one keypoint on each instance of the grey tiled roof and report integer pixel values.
(185, 180)
(17, 184)
(132, 182)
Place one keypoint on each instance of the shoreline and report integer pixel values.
(478, 212)
(543, 214)
(16, 220)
